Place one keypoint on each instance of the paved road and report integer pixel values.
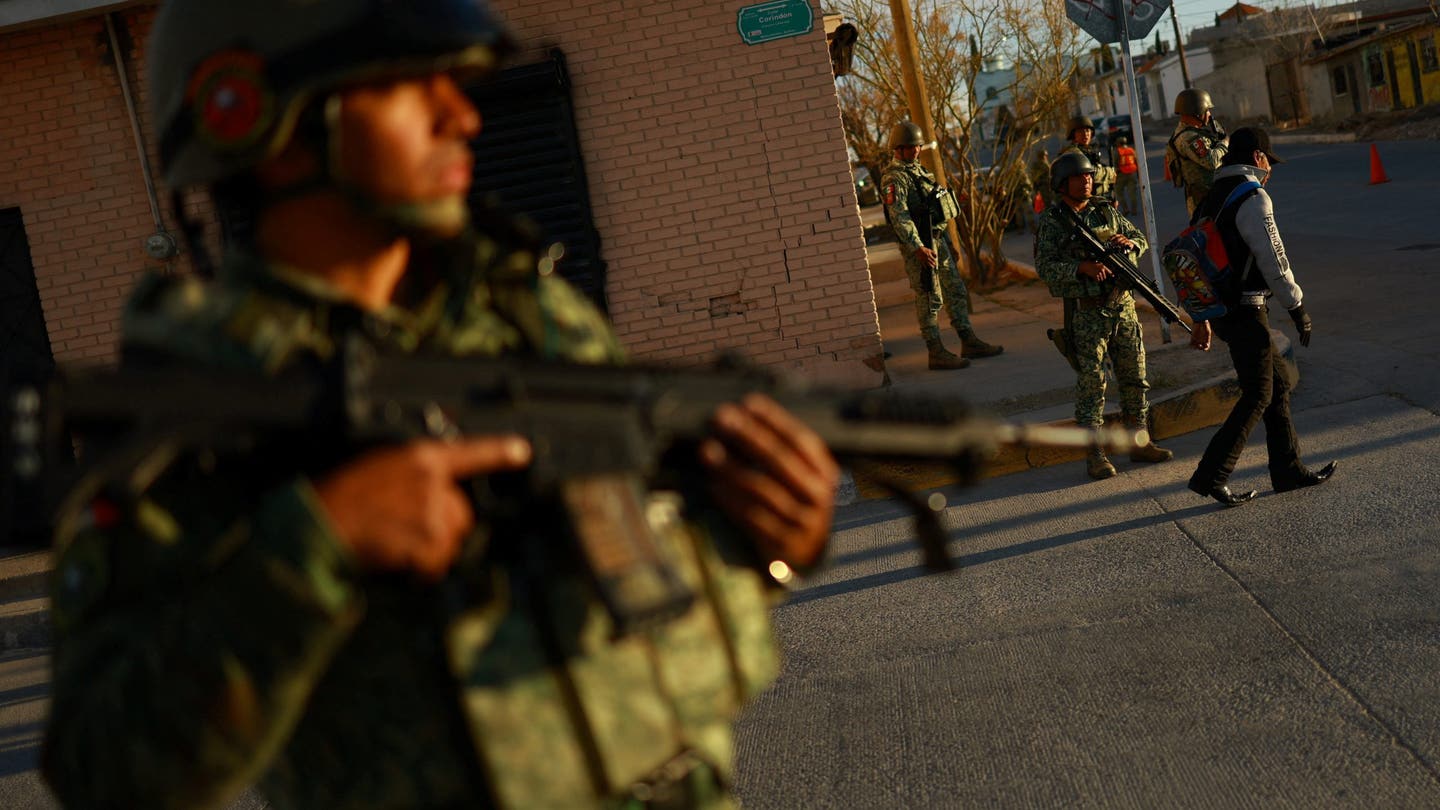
(1128, 644)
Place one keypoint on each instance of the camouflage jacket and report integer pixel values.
(1058, 252)
(1104, 173)
(907, 189)
(217, 631)
(1197, 153)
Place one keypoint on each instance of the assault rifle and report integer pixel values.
(602, 437)
(1127, 273)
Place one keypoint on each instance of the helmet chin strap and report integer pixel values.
(427, 220)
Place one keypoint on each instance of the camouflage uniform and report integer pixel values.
(216, 630)
(910, 187)
(1104, 321)
(1104, 172)
(1197, 152)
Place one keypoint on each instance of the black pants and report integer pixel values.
(1265, 384)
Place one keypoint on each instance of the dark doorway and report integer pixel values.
(25, 357)
(528, 161)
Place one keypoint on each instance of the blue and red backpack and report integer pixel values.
(1199, 265)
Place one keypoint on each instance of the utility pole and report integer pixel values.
(907, 48)
(1180, 48)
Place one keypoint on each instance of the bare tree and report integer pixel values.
(1022, 53)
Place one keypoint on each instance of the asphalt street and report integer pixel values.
(1127, 643)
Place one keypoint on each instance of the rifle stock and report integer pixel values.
(601, 436)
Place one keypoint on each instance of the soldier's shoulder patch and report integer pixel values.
(1199, 147)
(891, 193)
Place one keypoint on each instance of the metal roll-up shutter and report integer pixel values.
(528, 161)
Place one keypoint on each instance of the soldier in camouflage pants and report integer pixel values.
(1101, 319)
(347, 624)
(916, 208)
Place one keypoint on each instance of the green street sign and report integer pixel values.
(775, 20)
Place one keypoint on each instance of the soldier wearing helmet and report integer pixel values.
(350, 627)
(1080, 132)
(918, 208)
(1196, 148)
(1100, 319)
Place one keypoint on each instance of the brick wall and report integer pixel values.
(69, 163)
(720, 184)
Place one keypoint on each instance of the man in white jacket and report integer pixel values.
(1247, 227)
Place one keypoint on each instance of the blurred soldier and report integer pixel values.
(1196, 148)
(918, 208)
(1099, 314)
(361, 634)
(1247, 228)
(1127, 177)
(1081, 135)
(1039, 171)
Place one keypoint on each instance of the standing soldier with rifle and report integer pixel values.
(357, 627)
(1081, 135)
(1100, 315)
(1197, 147)
(917, 208)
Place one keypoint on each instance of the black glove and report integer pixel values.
(1302, 324)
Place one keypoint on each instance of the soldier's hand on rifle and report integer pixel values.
(1200, 336)
(927, 257)
(774, 477)
(1122, 241)
(401, 508)
(1095, 271)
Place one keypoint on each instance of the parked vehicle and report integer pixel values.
(866, 189)
(1117, 126)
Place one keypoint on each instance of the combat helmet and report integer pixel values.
(906, 133)
(1077, 122)
(229, 80)
(1194, 103)
(1067, 166)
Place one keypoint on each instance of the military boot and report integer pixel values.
(1149, 451)
(973, 346)
(942, 359)
(1098, 466)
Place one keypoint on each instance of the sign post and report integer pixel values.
(1120, 21)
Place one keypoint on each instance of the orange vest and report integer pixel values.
(1126, 160)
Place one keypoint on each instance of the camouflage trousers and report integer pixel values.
(949, 288)
(1114, 332)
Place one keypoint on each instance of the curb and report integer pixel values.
(1204, 404)
(25, 599)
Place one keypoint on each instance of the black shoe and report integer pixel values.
(1309, 479)
(1222, 494)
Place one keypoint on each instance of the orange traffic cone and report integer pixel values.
(1039, 204)
(1377, 171)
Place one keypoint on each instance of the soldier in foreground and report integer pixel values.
(1197, 147)
(1081, 135)
(1099, 314)
(360, 635)
(917, 208)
